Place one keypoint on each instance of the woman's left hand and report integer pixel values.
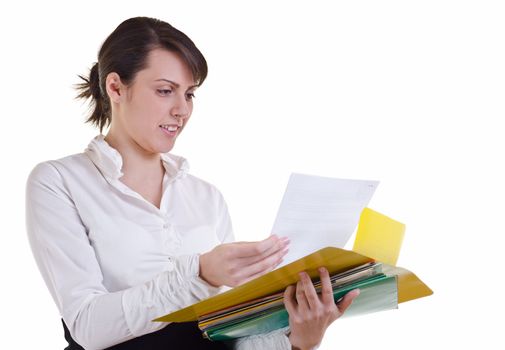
(310, 314)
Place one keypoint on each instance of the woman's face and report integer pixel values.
(157, 104)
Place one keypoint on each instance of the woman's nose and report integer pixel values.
(181, 109)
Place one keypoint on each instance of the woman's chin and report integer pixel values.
(166, 147)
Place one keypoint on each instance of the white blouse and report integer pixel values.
(112, 260)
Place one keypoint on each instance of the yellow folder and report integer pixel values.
(334, 259)
(379, 236)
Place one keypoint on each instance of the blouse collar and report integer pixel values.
(109, 161)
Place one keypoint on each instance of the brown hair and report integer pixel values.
(125, 52)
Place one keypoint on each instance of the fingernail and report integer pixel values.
(322, 269)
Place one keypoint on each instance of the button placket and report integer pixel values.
(170, 263)
(169, 245)
(170, 239)
(166, 228)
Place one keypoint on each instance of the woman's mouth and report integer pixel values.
(170, 130)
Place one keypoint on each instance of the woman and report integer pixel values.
(123, 234)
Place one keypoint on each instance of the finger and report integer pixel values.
(326, 289)
(347, 300)
(261, 267)
(279, 248)
(279, 253)
(309, 290)
(259, 274)
(289, 300)
(301, 299)
(253, 249)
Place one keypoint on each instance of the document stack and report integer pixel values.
(257, 306)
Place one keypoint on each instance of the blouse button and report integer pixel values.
(170, 264)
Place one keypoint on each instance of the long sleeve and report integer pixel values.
(65, 256)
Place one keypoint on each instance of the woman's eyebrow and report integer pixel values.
(174, 83)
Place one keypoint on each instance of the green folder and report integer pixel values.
(265, 304)
(379, 292)
(397, 286)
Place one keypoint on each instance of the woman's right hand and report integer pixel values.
(232, 264)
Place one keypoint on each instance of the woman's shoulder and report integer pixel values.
(52, 170)
(201, 186)
(177, 168)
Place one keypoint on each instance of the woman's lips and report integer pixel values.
(170, 130)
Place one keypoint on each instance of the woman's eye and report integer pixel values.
(190, 96)
(164, 92)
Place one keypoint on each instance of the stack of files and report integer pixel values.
(318, 215)
(255, 307)
(268, 313)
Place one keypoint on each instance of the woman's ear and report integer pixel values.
(116, 90)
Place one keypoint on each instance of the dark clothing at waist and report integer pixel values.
(185, 335)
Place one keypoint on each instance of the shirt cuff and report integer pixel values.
(189, 267)
(178, 287)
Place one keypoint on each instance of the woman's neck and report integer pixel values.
(142, 171)
(137, 162)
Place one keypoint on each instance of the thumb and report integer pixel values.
(347, 300)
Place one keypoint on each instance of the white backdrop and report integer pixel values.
(406, 92)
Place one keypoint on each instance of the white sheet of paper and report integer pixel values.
(318, 212)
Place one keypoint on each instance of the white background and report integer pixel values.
(410, 93)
